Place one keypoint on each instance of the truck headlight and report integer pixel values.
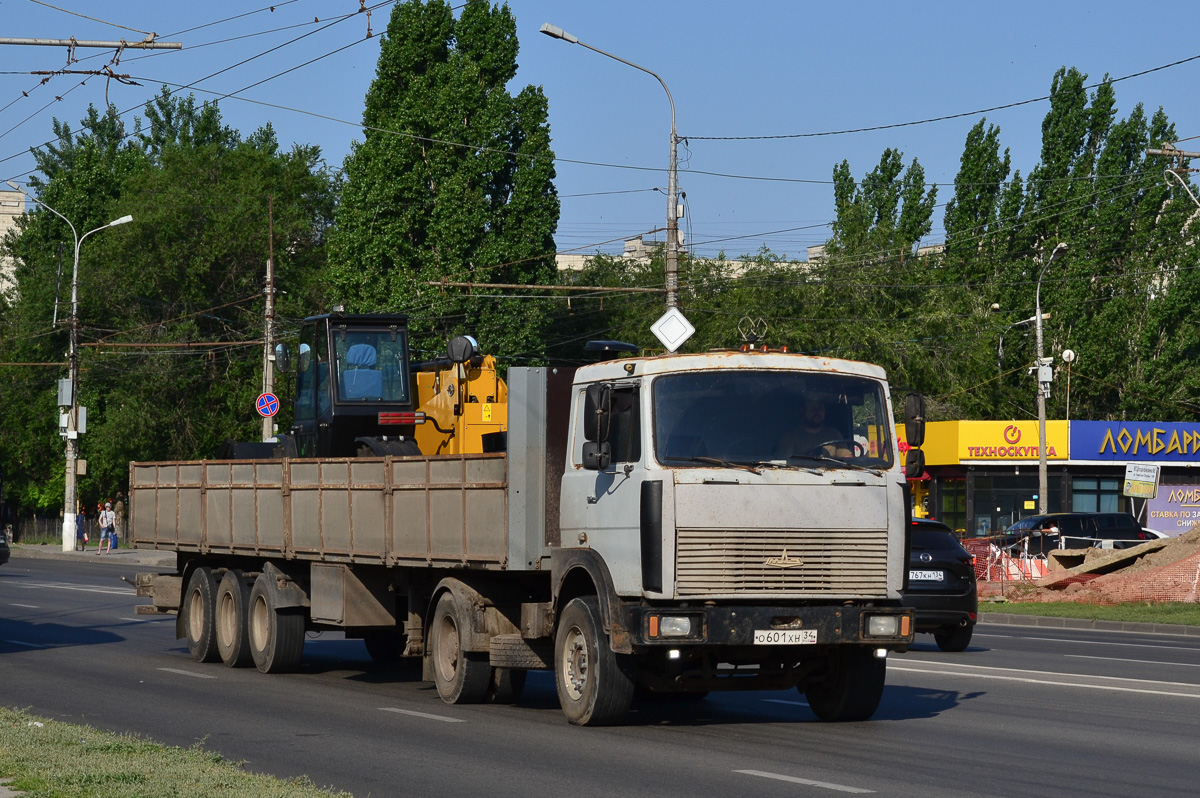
(883, 626)
(674, 626)
(663, 626)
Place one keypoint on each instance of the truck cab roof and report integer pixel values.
(651, 365)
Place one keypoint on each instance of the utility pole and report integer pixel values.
(268, 422)
(1045, 374)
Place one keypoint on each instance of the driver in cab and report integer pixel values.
(813, 436)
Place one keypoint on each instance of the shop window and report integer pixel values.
(1092, 495)
(953, 510)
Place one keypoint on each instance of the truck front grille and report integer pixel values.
(794, 562)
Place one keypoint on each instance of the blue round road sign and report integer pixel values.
(267, 405)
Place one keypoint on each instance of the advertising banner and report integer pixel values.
(1009, 441)
(1175, 510)
(1135, 441)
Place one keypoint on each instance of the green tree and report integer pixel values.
(975, 210)
(170, 310)
(453, 181)
(887, 214)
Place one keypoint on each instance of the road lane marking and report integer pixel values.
(425, 715)
(1044, 673)
(1053, 683)
(27, 645)
(1140, 661)
(807, 782)
(114, 591)
(1088, 642)
(188, 673)
(26, 606)
(781, 701)
(145, 620)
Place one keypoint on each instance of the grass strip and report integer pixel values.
(1135, 611)
(51, 759)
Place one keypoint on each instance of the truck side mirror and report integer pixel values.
(597, 412)
(597, 455)
(914, 419)
(283, 357)
(914, 463)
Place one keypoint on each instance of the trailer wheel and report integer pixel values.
(276, 636)
(199, 605)
(852, 686)
(232, 612)
(461, 677)
(595, 686)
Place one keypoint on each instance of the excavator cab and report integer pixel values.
(357, 394)
(352, 387)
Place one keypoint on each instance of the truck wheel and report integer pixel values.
(198, 610)
(276, 636)
(233, 599)
(595, 686)
(461, 677)
(852, 686)
(956, 639)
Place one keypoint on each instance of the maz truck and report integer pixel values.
(641, 523)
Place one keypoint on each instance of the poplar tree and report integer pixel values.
(452, 181)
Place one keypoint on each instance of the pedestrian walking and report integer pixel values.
(108, 520)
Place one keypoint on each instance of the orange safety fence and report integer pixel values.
(993, 564)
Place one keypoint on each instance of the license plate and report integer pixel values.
(926, 576)
(784, 637)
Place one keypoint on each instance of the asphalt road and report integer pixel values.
(1024, 712)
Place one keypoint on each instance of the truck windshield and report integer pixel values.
(808, 420)
(372, 366)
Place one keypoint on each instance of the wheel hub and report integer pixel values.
(448, 650)
(575, 664)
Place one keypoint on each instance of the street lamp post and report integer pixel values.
(1044, 376)
(672, 266)
(72, 433)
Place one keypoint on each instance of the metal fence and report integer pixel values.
(27, 530)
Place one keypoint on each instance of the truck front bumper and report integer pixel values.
(889, 627)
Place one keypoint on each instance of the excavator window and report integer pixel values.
(371, 366)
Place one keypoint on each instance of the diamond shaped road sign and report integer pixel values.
(672, 328)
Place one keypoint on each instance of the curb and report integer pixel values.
(1044, 622)
(147, 557)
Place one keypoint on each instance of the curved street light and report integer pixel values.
(72, 434)
(672, 265)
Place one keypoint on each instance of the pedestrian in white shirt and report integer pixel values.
(108, 522)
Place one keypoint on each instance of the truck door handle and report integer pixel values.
(591, 500)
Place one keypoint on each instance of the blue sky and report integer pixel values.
(735, 69)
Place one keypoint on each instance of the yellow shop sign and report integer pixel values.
(949, 442)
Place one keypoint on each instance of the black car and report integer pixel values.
(5, 552)
(1040, 534)
(941, 585)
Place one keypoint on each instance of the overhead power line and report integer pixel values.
(945, 118)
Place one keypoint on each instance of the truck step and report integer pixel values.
(514, 651)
